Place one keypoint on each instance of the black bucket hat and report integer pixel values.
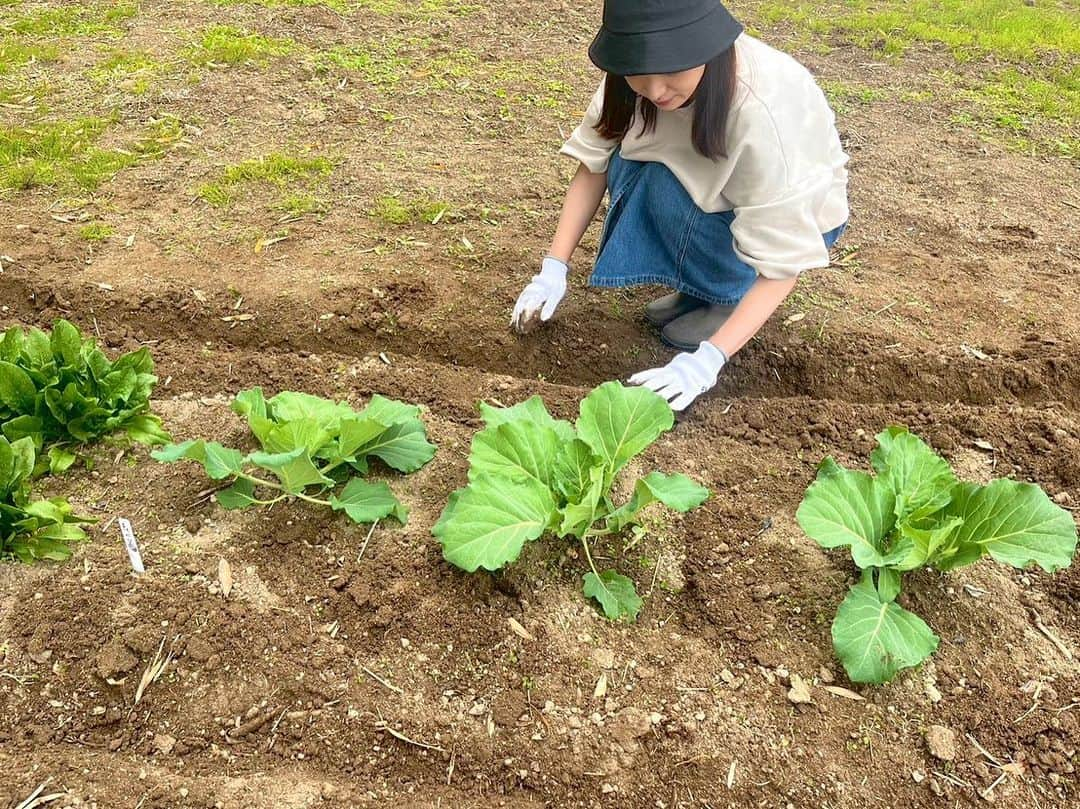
(661, 36)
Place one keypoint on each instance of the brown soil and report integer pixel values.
(956, 316)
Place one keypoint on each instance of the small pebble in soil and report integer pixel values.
(799, 693)
(932, 693)
(164, 743)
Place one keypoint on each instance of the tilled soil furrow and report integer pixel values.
(860, 367)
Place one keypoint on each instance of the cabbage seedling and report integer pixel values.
(531, 474)
(314, 450)
(915, 513)
(32, 529)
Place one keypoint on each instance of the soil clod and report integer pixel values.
(115, 660)
(941, 742)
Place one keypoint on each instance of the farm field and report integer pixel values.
(344, 197)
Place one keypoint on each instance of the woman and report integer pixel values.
(726, 179)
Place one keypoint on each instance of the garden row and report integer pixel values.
(529, 475)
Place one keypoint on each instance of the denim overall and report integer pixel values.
(656, 234)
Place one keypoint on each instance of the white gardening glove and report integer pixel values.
(541, 296)
(686, 377)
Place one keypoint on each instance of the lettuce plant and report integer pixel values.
(60, 390)
(530, 474)
(314, 450)
(915, 513)
(32, 529)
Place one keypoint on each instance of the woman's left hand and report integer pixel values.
(686, 377)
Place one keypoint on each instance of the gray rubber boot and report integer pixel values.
(664, 310)
(690, 330)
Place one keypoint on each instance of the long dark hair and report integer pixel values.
(712, 103)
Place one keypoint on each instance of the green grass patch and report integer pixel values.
(387, 62)
(526, 82)
(1032, 113)
(1016, 98)
(96, 232)
(911, 96)
(1031, 105)
(412, 9)
(424, 68)
(77, 19)
(514, 81)
(393, 210)
(377, 63)
(15, 53)
(133, 71)
(161, 135)
(297, 204)
(23, 93)
(32, 35)
(226, 45)
(278, 170)
(844, 95)
(417, 9)
(65, 154)
(970, 28)
(443, 71)
(342, 6)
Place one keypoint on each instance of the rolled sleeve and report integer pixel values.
(776, 193)
(585, 144)
(782, 238)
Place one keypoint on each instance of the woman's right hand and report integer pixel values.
(536, 303)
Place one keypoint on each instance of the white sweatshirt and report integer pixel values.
(784, 176)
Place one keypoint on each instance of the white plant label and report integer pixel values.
(132, 546)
